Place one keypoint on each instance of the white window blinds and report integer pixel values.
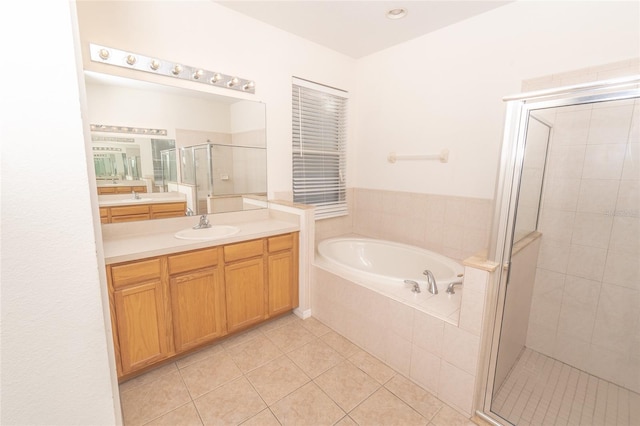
(319, 148)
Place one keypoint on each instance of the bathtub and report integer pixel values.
(383, 266)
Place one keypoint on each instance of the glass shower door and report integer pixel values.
(567, 351)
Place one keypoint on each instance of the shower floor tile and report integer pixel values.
(230, 383)
(540, 390)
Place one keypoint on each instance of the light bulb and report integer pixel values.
(104, 54)
(233, 82)
(177, 69)
(131, 59)
(216, 78)
(154, 64)
(198, 74)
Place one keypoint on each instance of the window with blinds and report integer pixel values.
(319, 148)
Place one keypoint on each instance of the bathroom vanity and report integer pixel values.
(125, 208)
(192, 293)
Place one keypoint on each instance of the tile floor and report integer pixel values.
(289, 372)
(543, 391)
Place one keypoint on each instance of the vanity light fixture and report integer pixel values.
(396, 13)
(121, 58)
(134, 130)
(154, 64)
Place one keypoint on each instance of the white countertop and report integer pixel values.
(145, 198)
(123, 247)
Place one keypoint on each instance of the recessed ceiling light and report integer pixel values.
(397, 13)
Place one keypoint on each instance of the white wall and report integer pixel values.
(205, 34)
(444, 90)
(57, 362)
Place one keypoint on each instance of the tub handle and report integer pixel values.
(415, 287)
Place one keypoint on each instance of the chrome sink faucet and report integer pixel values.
(204, 223)
(431, 282)
(135, 195)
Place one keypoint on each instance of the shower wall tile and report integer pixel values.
(631, 167)
(610, 125)
(562, 194)
(598, 195)
(623, 269)
(625, 235)
(628, 202)
(593, 230)
(566, 161)
(557, 226)
(587, 262)
(553, 256)
(571, 350)
(571, 127)
(604, 161)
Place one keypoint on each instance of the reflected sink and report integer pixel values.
(216, 231)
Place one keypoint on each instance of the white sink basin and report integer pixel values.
(140, 200)
(216, 231)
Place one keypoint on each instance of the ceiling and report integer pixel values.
(359, 27)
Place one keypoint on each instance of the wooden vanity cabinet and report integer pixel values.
(282, 267)
(129, 213)
(244, 277)
(165, 210)
(121, 189)
(197, 297)
(164, 306)
(137, 295)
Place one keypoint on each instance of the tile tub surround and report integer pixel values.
(457, 227)
(288, 371)
(439, 355)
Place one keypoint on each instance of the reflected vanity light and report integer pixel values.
(133, 130)
(121, 58)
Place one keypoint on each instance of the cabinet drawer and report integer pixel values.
(242, 250)
(131, 273)
(280, 242)
(129, 218)
(104, 212)
(194, 260)
(106, 190)
(129, 210)
(168, 207)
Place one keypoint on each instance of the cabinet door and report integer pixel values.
(197, 307)
(282, 284)
(141, 325)
(244, 282)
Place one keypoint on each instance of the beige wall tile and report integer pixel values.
(460, 348)
(456, 387)
(425, 369)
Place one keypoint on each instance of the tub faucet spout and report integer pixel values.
(431, 282)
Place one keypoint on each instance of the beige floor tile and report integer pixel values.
(263, 418)
(384, 408)
(343, 346)
(187, 415)
(241, 338)
(153, 399)
(307, 406)
(206, 375)
(229, 404)
(290, 336)
(280, 322)
(422, 401)
(315, 358)
(199, 355)
(315, 326)
(447, 416)
(372, 366)
(346, 421)
(254, 353)
(148, 377)
(347, 385)
(277, 379)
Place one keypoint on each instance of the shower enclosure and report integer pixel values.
(225, 177)
(565, 348)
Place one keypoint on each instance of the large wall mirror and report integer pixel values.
(153, 143)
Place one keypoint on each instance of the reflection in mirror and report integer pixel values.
(146, 138)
